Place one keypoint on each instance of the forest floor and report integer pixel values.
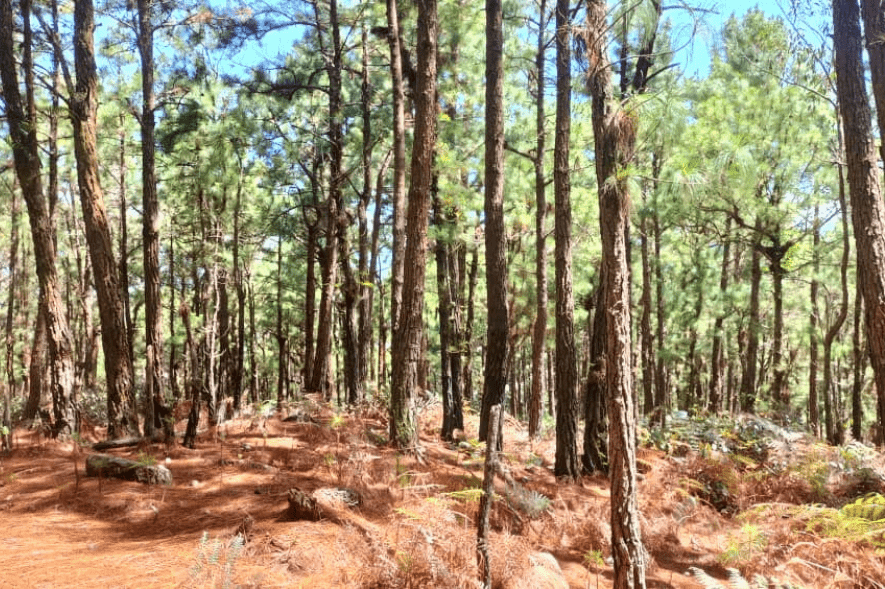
(223, 522)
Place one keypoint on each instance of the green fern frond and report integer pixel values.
(870, 507)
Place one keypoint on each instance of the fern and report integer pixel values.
(737, 581)
(870, 508)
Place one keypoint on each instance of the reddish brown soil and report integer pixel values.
(62, 529)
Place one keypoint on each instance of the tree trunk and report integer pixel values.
(399, 165)
(150, 227)
(364, 283)
(780, 392)
(407, 349)
(595, 457)
(717, 362)
(240, 346)
(867, 208)
(648, 353)
(498, 350)
(614, 132)
(122, 415)
(873, 14)
(662, 392)
(280, 333)
(320, 373)
(814, 329)
(539, 331)
(26, 154)
(473, 279)
(751, 357)
(6, 423)
(566, 461)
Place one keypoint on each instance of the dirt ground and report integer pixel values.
(223, 522)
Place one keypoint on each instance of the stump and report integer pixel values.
(106, 465)
(302, 506)
(321, 504)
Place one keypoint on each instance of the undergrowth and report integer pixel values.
(215, 561)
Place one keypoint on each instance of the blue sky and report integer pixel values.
(695, 58)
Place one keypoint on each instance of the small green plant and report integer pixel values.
(531, 503)
(215, 561)
(593, 559)
(744, 546)
(469, 495)
(145, 459)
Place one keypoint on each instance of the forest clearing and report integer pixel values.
(773, 509)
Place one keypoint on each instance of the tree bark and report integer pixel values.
(498, 351)
(320, 374)
(539, 330)
(122, 415)
(595, 457)
(873, 14)
(814, 330)
(614, 132)
(26, 155)
(867, 207)
(717, 362)
(150, 227)
(565, 376)
(751, 356)
(399, 165)
(407, 349)
(662, 392)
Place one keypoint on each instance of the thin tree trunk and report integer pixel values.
(645, 329)
(407, 348)
(280, 332)
(566, 461)
(10, 314)
(835, 431)
(150, 227)
(539, 331)
(858, 367)
(320, 375)
(364, 282)
(240, 346)
(814, 330)
(748, 376)
(399, 165)
(498, 351)
(717, 362)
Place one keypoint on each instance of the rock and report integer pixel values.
(106, 465)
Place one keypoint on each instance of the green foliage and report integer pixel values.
(145, 459)
(215, 561)
(745, 546)
(814, 468)
(532, 503)
(471, 495)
